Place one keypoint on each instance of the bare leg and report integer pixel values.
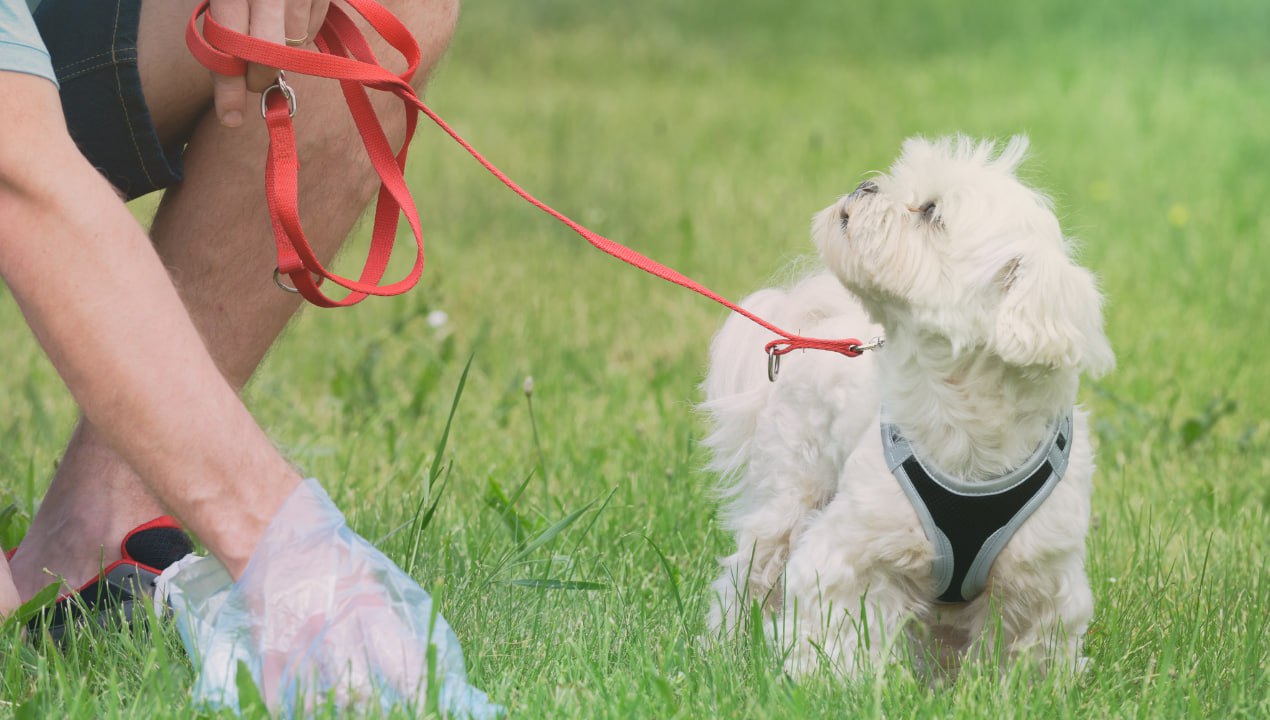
(213, 234)
(8, 593)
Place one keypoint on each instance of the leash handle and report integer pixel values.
(345, 56)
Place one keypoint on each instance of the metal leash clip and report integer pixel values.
(874, 344)
(774, 357)
(282, 87)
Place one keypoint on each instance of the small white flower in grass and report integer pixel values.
(528, 387)
(438, 318)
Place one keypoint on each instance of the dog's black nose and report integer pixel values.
(868, 187)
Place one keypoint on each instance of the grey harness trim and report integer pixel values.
(970, 523)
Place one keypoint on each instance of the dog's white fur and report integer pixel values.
(988, 325)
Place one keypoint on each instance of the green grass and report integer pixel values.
(706, 133)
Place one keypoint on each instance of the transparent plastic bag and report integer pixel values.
(318, 613)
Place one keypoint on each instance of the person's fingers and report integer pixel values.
(317, 16)
(268, 22)
(229, 94)
(289, 22)
(297, 21)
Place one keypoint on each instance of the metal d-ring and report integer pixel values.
(282, 87)
(773, 365)
(277, 280)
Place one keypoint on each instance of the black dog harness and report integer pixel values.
(969, 523)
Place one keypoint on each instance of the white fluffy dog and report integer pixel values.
(988, 325)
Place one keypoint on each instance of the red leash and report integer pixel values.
(347, 57)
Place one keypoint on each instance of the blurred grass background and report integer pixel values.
(705, 134)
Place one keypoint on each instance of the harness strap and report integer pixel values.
(970, 523)
(346, 56)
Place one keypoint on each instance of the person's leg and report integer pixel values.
(222, 263)
(8, 593)
(213, 234)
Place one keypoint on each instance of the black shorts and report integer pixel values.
(93, 44)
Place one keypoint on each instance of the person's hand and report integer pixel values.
(318, 615)
(293, 22)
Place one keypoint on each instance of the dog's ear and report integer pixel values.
(1050, 313)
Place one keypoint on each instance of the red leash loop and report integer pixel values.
(345, 56)
(850, 347)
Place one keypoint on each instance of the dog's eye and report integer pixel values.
(844, 216)
(926, 210)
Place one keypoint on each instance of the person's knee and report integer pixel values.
(177, 89)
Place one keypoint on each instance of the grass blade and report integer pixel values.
(553, 584)
(550, 533)
(33, 607)
(422, 519)
(541, 539)
(517, 523)
(673, 576)
(435, 470)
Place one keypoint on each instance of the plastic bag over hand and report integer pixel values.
(318, 613)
